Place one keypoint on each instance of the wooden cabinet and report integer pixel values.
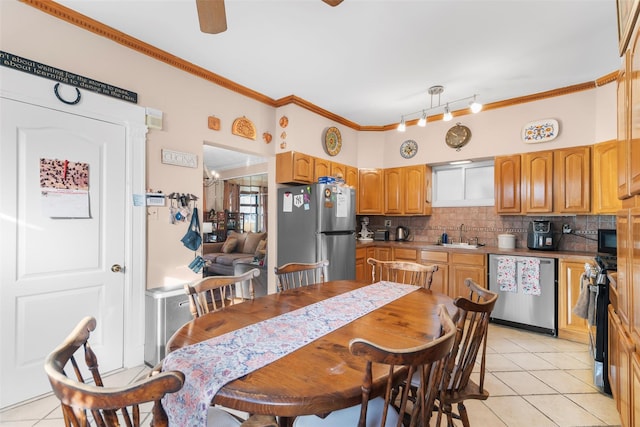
(466, 266)
(635, 388)
(440, 281)
(612, 351)
(351, 177)
(633, 280)
(507, 179)
(604, 184)
(407, 190)
(293, 167)
(393, 191)
(572, 180)
(321, 167)
(624, 278)
(624, 133)
(633, 142)
(405, 254)
(361, 264)
(537, 182)
(370, 191)
(570, 326)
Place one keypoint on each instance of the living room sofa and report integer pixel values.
(221, 257)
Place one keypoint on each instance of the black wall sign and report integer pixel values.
(37, 69)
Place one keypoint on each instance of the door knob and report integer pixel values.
(116, 268)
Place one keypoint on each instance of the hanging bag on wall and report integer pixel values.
(193, 238)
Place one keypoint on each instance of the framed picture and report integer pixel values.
(627, 14)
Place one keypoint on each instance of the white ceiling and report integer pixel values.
(371, 61)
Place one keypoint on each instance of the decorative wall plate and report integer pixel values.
(267, 137)
(540, 131)
(408, 149)
(284, 121)
(243, 127)
(332, 141)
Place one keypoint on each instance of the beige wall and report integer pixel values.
(585, 117)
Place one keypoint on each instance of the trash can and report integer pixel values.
(166, 310)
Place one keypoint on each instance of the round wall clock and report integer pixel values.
(408, 149)
(458, 136)
(332, 141)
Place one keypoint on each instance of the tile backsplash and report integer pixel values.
(483, 222)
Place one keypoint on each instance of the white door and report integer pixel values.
(55, 271)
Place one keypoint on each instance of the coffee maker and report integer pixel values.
(540, 235)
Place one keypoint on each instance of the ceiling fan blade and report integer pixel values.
(332, 2)
(212, 16)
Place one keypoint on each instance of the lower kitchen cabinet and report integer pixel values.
(466, 266)
(404, 254)
(635, 389)
(361, 264)
(621, 355)
(440, 280)
(570, 326)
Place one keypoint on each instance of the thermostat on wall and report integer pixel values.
(155, 199)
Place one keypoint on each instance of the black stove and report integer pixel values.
(598, 316)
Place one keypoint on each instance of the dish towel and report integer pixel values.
(507, 274)
(581, 309)
(530, 279)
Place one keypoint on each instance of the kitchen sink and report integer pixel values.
(461, 245)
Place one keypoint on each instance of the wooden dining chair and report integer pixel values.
(381, 407)
(410, 273)
(295, 274)
(470, 343)
(213, 293)
(105, 404)
(87, 402)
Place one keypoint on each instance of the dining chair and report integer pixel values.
(471, 341)
(410, 273)
(213, 293)
(380, 406)
(295, 274)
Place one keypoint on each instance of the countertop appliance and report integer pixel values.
(516, 308)
(598, 320)
(318, 222)
(402, 233)
(540, 235)
(381, 235)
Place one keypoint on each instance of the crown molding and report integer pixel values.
(61, 12)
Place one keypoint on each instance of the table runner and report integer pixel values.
(210, 364)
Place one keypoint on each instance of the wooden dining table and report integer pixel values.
(322, 376)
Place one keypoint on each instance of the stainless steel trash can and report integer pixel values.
(166, 310)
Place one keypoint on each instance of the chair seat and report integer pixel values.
(349, 417)
(471, 391)
(218, 418)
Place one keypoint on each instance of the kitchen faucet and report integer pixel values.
(461, 225)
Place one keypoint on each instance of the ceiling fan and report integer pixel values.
(213, 19)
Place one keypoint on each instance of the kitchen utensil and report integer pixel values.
(506, 241)
(402, 233)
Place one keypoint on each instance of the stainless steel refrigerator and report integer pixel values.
(317, 222)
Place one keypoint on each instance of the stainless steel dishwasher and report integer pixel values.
(515, 308)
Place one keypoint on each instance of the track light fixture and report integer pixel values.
(473, 104)
(402, 126)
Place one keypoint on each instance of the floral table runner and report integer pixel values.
(210, 364)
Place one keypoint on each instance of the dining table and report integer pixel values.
(321, 376)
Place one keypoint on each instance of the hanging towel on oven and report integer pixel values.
(507, 274)
(530, 279)
(581, 309)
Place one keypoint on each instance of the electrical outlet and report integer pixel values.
(387, 223)
(566, 229)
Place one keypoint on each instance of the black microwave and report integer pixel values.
(607, 241)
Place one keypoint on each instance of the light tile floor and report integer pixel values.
(534, 380)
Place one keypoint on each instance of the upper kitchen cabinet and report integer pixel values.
(537, 182)
(633, 155)
(321, 167)
(604, 197)
(623, 112)
(370, 192)
(407, 190)
(507, 184)
(572, 180)
(294, 167)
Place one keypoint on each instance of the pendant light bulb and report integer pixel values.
(475, 106)
(423, 120)
(402, 126)
(447, 116)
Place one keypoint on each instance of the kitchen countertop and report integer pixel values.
(482, 249)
